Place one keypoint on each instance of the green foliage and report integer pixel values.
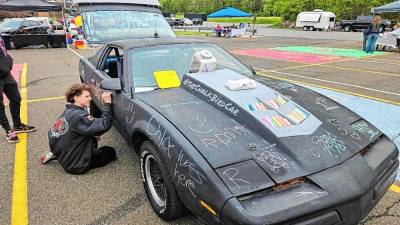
(343, 9)
(287, 9)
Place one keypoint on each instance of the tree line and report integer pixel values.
(287, 9)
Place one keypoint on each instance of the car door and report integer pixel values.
(111, 65)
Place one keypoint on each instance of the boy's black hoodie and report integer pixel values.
(73, 139)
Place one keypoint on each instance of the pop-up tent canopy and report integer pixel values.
(28, 5)
(228, 12)
(388, 8)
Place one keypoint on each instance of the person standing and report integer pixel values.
(373, 36)
(9, 87)
(396, 32)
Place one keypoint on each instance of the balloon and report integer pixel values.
(78, 21)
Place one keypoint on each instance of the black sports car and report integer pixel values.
(270, 153)
(23, 26)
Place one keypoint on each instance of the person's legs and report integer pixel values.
(103, 156)
(398, 43)
(12, 92)
(374, 39)
(369, 40)
(365, 38)
(371, 43)
(10, 134)
(3, 117)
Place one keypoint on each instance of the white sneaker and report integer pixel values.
(46, 157)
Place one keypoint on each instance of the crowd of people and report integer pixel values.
(226, 31)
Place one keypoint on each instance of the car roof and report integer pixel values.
(147, 42)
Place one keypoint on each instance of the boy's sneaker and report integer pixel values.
(12, 137)
(46, 157)
(24, 129)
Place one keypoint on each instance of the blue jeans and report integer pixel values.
(371, 42)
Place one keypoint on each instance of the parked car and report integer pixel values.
(23, 26)
(276, 153)
(315, 20)
(187, 22)
(197, 21)
(178, 22)
(170, 21)
(361, 23)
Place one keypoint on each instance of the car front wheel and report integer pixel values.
(347, 28)
(158, 184)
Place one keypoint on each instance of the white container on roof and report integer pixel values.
(133, 2)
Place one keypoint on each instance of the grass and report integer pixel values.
(185, 33)
(274, 21)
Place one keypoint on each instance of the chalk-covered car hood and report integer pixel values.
(259, 137)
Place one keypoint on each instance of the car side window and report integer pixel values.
(25, 24)
(113, 63)
(34, 23)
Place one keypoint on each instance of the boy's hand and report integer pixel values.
(106, 97)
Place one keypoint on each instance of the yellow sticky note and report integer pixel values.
(167, 79)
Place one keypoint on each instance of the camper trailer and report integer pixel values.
(315, 20)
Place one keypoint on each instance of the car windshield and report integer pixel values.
(103, 26)
(11, 24)
(176, 57)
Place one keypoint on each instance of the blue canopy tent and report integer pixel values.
(388, 8)
(228, 12)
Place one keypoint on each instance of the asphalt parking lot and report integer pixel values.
(114, 194)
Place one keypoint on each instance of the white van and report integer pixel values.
(316, 20)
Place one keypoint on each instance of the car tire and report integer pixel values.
(94, 110)
(305, 28)
(347, 28)
(12, 45)
(311, 28)
(163, 199)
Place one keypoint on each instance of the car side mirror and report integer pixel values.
(252, 69)
(113, 84)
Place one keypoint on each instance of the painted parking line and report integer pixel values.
(329, 88)
(45, 99)
(361, 70)
(334, 82)
(395, 188)
(298, 57)
(19, 207)
(342, 52)
(310, 61)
